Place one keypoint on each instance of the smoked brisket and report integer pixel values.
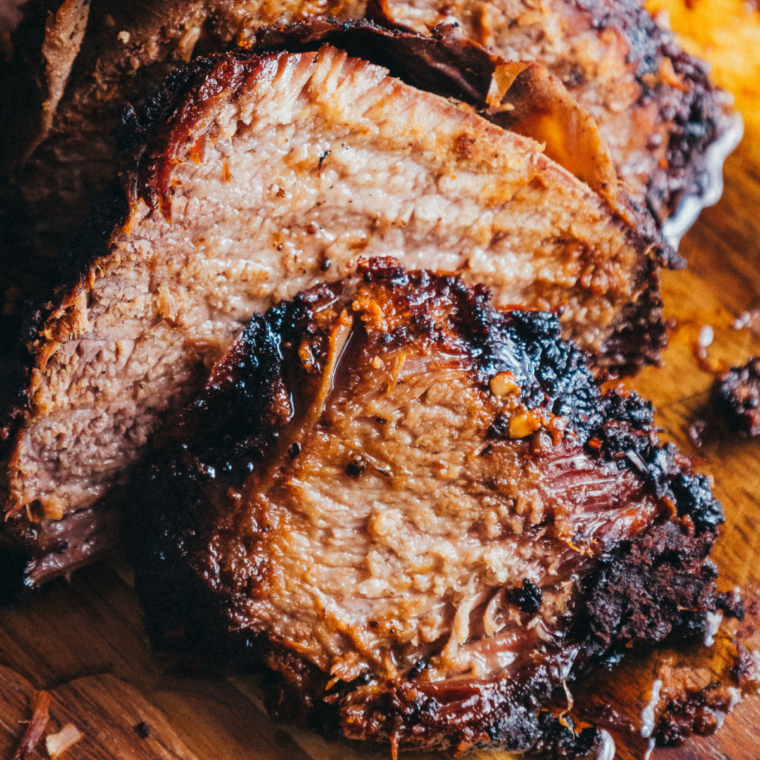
(251, 177)
(421, 515)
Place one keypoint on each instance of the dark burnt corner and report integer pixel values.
(700, 120)
(641, 333)
(654, 585)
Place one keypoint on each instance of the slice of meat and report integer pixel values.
(253, 177)
(521, 96)
(737, 394)
(420, 513)
(654, 103)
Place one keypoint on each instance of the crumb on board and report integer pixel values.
(142, 729)
(33, 733)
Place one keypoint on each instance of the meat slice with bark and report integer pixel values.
(421, 514)
(253, 177)
(655, 104)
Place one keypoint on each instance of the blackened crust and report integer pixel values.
(641, 333)
(655, 589)
(700, 119)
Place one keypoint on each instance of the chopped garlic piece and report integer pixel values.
(58, 743)
(522, 425)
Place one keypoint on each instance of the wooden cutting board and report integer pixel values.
(91, 629)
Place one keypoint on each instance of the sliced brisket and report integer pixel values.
(254, 177)
(63, 92)
(421, 514)
(655, 104)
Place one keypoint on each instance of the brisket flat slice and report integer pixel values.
(421, 514)
(253, 177)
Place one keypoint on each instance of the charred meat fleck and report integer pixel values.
(437, 594)
(738, 397)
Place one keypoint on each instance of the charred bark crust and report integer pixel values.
(699, 120)
(641, 333)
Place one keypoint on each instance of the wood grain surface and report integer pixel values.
(91, 629)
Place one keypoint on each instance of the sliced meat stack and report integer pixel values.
(422, 515)
(251, 178)
(75, 64)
